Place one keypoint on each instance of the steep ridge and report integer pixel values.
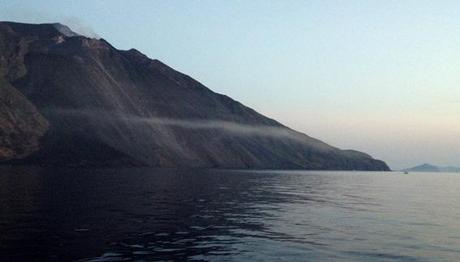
(95, 105)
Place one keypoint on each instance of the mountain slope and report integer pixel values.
(433, 168)
(103, 106)
(21, 125)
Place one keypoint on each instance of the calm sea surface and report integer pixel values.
(201, 215)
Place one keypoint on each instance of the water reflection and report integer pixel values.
(136, 213)
(167, 214)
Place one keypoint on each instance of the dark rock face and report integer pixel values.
(21, 125)
(80, 101)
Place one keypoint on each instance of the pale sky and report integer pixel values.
(378, 76)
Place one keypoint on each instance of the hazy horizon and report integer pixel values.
(378, 77)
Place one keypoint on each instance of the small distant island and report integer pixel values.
(432, 168)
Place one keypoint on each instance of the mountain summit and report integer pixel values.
(69, 100)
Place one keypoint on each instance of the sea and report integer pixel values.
(147, 214)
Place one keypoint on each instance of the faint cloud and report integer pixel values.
(79, 26)
(26, 15)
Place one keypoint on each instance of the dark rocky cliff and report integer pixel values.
(71, 100)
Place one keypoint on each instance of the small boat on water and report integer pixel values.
(405, 172)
